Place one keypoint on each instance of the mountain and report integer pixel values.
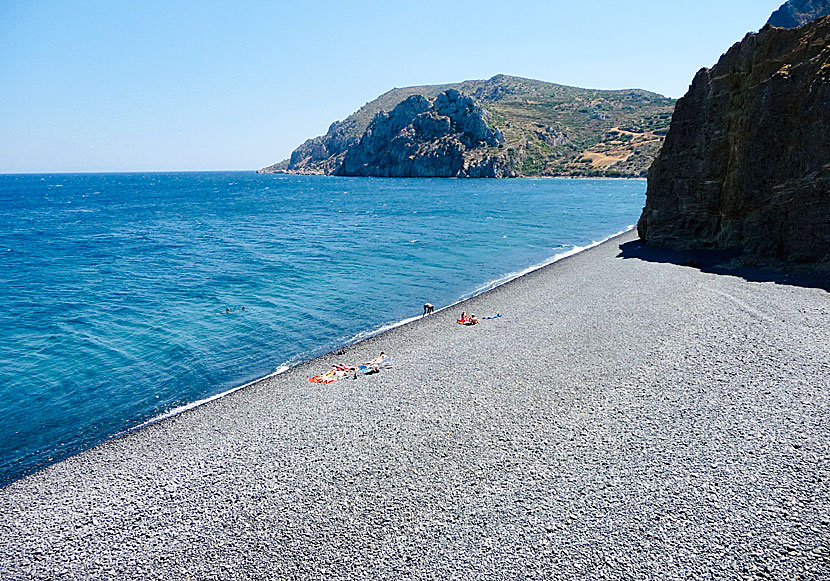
(746, 162)
(546, 129)
(795, 13)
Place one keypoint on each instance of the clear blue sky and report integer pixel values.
(143, 86)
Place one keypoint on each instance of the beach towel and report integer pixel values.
(333, 375)
(374, 366)
(493, 317)
(327, 377)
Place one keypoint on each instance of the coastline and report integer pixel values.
(364, 335)
(533, 177)
(623, 418)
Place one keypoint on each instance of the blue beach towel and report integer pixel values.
(494, 317)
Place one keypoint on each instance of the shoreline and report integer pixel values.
(539, 177)
(623, 419)
(365, 335)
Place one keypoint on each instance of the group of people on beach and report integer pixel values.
(465, 320)
(340, 370)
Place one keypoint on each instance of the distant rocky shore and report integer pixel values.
(502, 127)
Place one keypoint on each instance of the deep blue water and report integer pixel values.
(114, 287)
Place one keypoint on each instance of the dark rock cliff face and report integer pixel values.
(746, 162)
(423, 138)
(795, 13)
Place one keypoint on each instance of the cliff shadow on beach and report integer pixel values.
(726, 262)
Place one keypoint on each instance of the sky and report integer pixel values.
(176, 86)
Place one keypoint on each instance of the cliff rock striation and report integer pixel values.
(746, 162)
(795, 13)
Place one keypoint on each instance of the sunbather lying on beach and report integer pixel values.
(373, 366)
(379, 360)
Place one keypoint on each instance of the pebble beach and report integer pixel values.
(622, 419)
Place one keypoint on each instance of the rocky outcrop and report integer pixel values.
(425, 138)
(746, 162)
(795, 13)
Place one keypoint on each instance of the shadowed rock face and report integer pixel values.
(795, 13)
(424, 138)
(746, 162)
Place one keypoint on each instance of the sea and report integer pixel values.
(125, 298)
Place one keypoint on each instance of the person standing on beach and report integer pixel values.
(428, 308)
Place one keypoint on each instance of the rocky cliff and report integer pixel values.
(547, 129)
(746, 162)
(444, 137)
(795, 13)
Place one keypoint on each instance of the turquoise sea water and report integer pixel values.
(115, 287)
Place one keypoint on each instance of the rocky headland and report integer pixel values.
(795, 13)
(746, 162)
(500, 127)
(445, 137)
